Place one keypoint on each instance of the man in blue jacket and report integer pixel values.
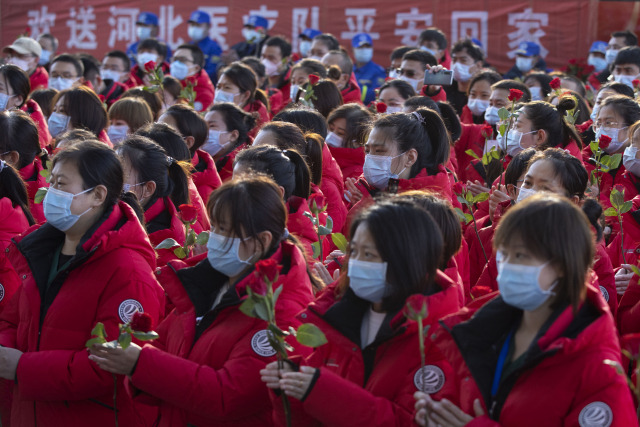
(199, 25)
(369, 75)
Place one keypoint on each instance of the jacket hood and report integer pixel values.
(12, 219)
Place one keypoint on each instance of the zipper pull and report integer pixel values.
(493, 407)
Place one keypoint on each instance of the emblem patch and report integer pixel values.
(596, 414)
(605, 293)
(1, 292)
(260, 344)
(127, 308)
(429, 379)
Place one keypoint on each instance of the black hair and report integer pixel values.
(327, 95)
(518, 166)
(629, 38)
(99, 165)
(307, 120)
(168, 138)
(619, 88)
(84, 108)
(328, 40)
(425, 58)
(285, 46)
(122, 56)
(196, 52)
(152, 44)
(311, 66)
(513, 84)
(44, 98)
(399, 52)
(485, 74)
(543, 80)
(418, 101)
(255, 64)
(553, 121)
(628, 55)
(405, 90)
(151, 163)
(345, 63)
(71, 59)
(571, 172)
(51, 38)
(189, 123)
(582, 109)
(593, 210)
(472, 49)
(433, 34)
(235, 118)
(287, 168)
(358, 122)
(626, 107)
(450, 119)
(12, 187)
(18, 80)
(91, 66)
(19, 133)
(151, 98)
(422, 130)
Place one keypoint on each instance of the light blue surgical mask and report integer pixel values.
(117, 133)
(524, 193)
(594, 113)
(222, 96)
(598, 63)
(377, 170)
(519, 285)
(45, 56)
(630, 162)
(293, 92)
(213, 145)
(514, 142)
(57, 123)
(431, 51)
(610, 55)
(57, 208)
(368, 280)
(179, 70)
(614, 134)
(305, 47)
(491, 115)
(536, 93)
(4, 99)
(223, 254)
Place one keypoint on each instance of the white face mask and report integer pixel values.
(143, 32)
(598, 63)
(461, 72)
(393, 73)
(377, 170)
(45, 56)
(612, 133)
(196, 33)
(363, 54)
(110, 75)
(213, 145)
(333, 140)
(610, 55)
(491, 115)
(145, 57)
(179, 70)
(117, 133)
(222, 96)
(431, 51)
(293, 92)
(514, 142)
(523, 193)
(630, 162)
(4, 100)
(23, 64)
(270, 68)
(626, 80)
(305, 47)
(250, 35)
(391, 110)
(415, 83)
(536, 93)
(60, 83)
(524, 64)
(477, 106)
(594, 113)
(57, 123)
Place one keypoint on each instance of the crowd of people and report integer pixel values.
(467, 248)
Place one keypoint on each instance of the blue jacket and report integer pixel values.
(371, 76)
(212, 52)
(132, 52)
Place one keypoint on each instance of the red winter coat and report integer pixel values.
(564, 381)
(39, 79)
(350, 160)
(629, 309)
(262, 115)
(162, 222)
(202, 223)
(33, 179)
(344, 395)
(32, 108)
(276, 100)
(631, 234)
(137, 74)
(13, 222)
(352, 93)
(332, 186)
(110, 277)
(224, 165)
(470, 139)
(606, 278)
(203, 88)
(302, 228)
(215, 379)
(206, 176)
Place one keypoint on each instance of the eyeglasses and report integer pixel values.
(605, 124)
(181, 59)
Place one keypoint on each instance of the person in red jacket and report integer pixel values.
(93, 253)
(290, 171)
(187, 65)
(346, 82)
(405, 151)
(348, 126)
(25, 53)
(21, 149)
(193, 129)
(160, 183)
(209, 351)
(534, 355)
(372, 357)
(479, 94)
(229, 128)
(126, 116)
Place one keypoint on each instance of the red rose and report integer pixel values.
(487, 131)
(480, 291)
(381, 107)
(102, 98)
(555, 83)
(620, 188)
(604, 141)
(636, 83)
(149, 66)
(386, 79)
(141, 322)
(188, 213)
(257, 285)
(416, 307)
(316, 202)
(573, 61)
(459, 188)
(631, 343)
(268, 269)
(515, 94)
(313, 79)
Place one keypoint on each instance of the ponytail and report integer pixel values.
(593, 211)
(552, 120)
(302, 175)
(314, 155)
(451, 120)
(132, 200)
(334, 73)
(179, 178)
(12, 187)
(567, 104)
(261, 96)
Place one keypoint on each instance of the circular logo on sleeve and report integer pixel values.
(596, 414)
(260, 344)
(1, 292)
(429, 379)
(605, 293)
(127, 308)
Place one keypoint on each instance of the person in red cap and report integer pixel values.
(25, 53)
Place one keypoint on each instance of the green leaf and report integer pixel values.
(308, 215)
(276, 294)
(261, 310)
(180, 253)
(247, 307)
(462, 200)
(468, 218)
(146, 336)
(124, 340)
(340, 241)
(323, 231)
(276, 331)
(316, 250)
(626, 207)
(594, 146)
(468, 197)
(502, 129)
(472, 153)
(635, 270)
(329, 224)
(191, 238)
(168, 244)
(460, 214)
(98, 331)
(615, 161)
(202, 238)
(611, 212)
(617, 198)
(605, 160)
(96, 340)
(486, 159)
(503, 113)
(494, 153)
(481, 197)
(42, 191)
(310, 335)
(46, 173)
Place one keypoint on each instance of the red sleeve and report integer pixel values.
(441, 96)
(606, 278)
(629, 309)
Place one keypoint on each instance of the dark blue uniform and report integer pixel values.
(371, 76)
(132, 53)
(212, 52)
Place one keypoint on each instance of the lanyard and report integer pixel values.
(500, 365)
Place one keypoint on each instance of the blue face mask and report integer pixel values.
(57, 123)
(222, 253)
(368, 280)
(45, 56)
(377, 170)
(57, 208)
(213, 145)
(179, 70)
(222, 96)
(520, 285)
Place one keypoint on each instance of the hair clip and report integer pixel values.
(418, 116)
(2, 165)
(170, 160)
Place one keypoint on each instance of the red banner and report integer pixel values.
(564, 28)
